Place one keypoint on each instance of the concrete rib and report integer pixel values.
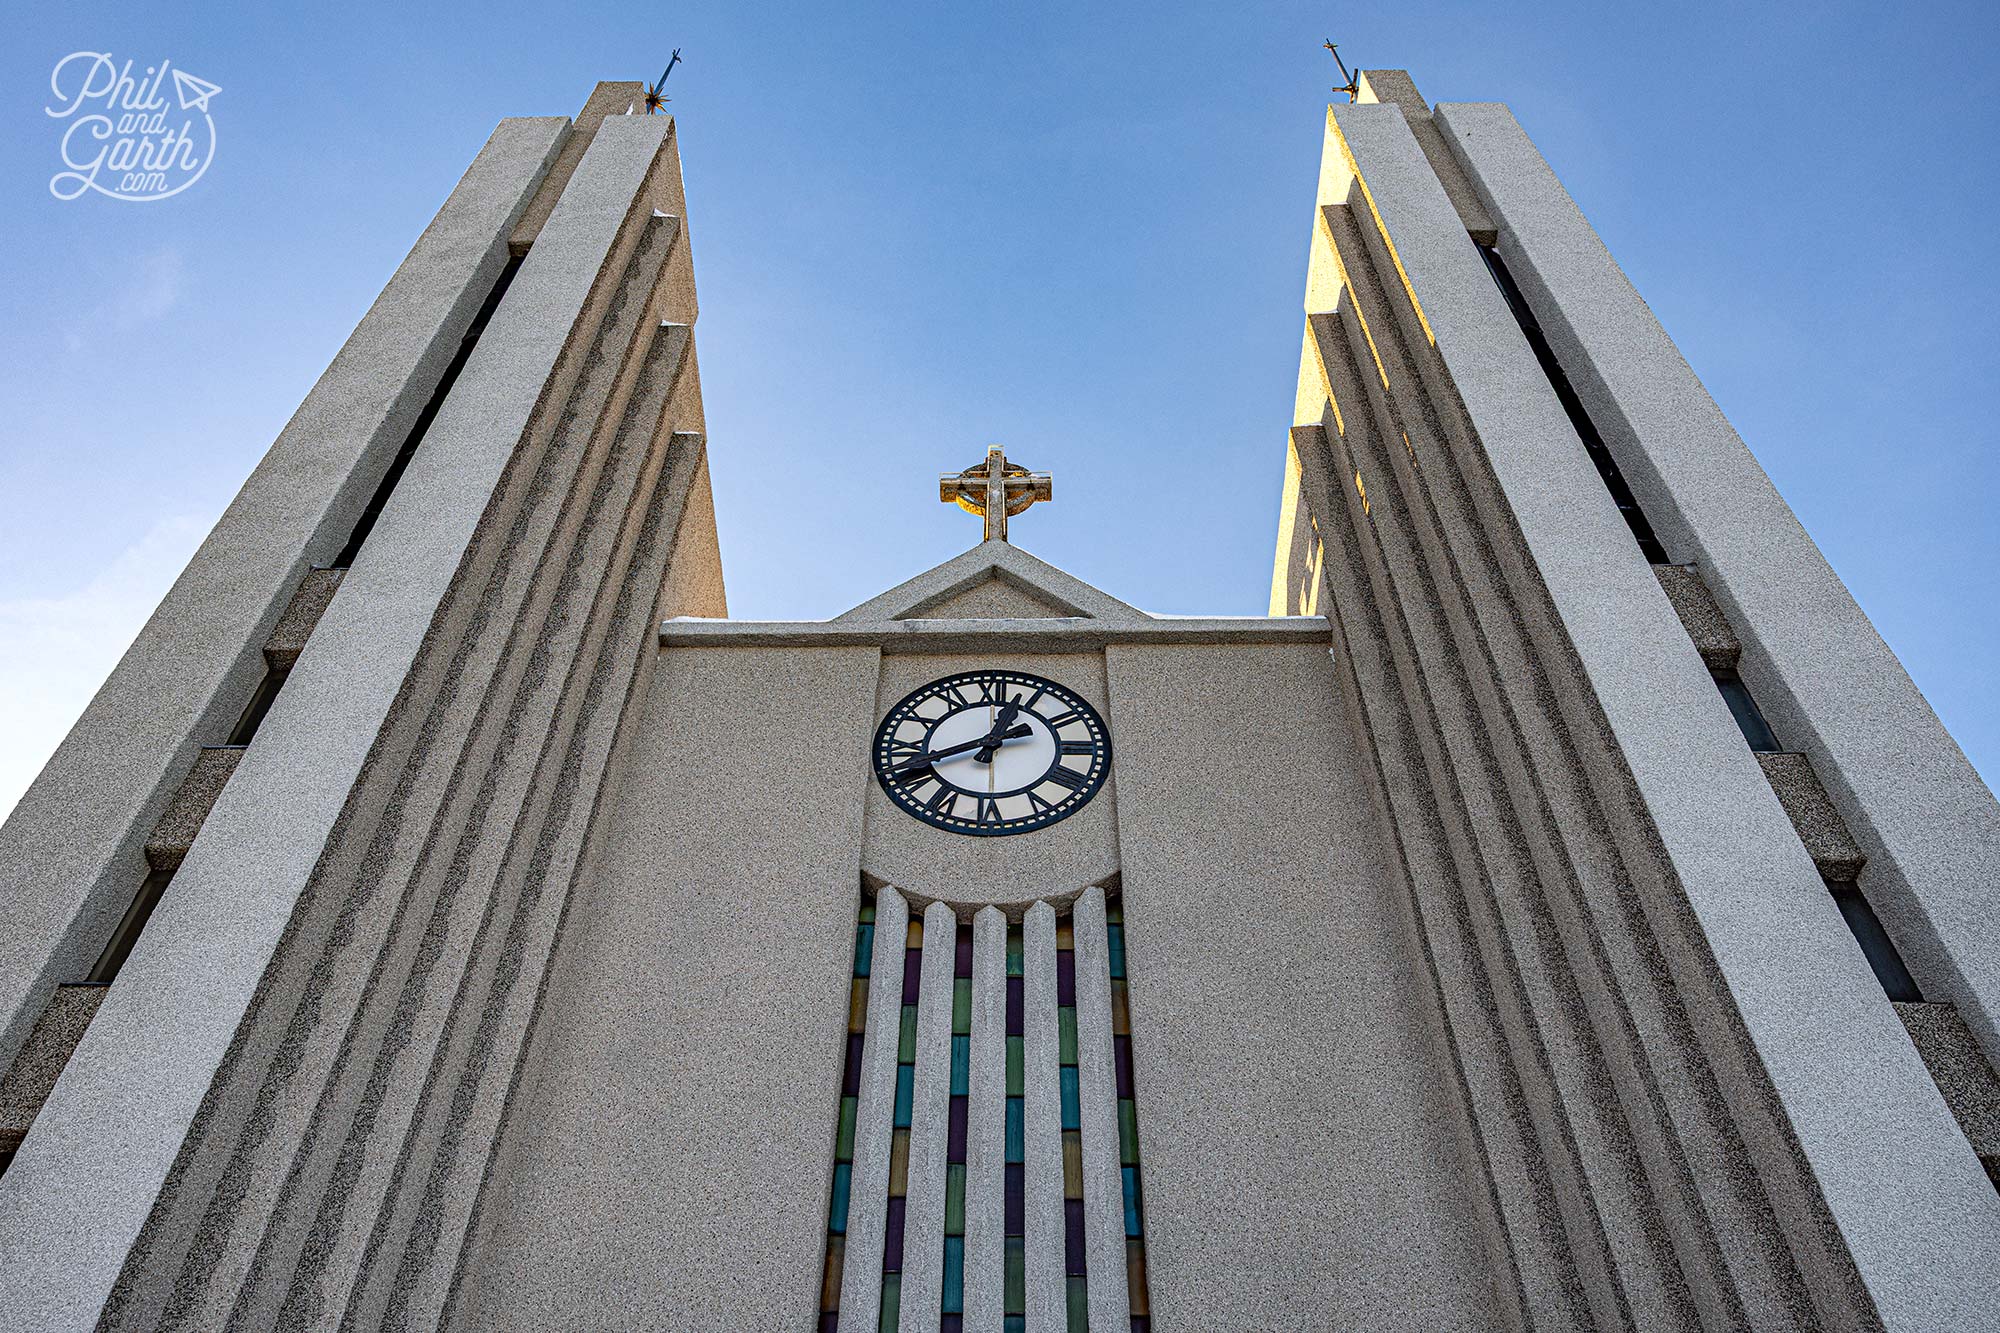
(868, 1206)
(1097, 1087)
(1047, 1307)
(986, 1130)
(930, 1108)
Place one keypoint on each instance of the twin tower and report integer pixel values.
(1561, 912)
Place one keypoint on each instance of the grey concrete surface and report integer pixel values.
(295, 626)
(919, 597)
(1397, 88)
(1300, 1155)
(1041, 1119)
(171, 838)
(1097, 1091)
(1819, 825)
(606, 99)
(1056, 862)
(868, 1193)
(1700, 616)
(930, 1103)
(671, 1148)
(70, 852)
(1804, 994)
(986, 1129)
(1820, 672)
(1970, 1087)
(1042, 635)
(41, 1059)
(205, 950)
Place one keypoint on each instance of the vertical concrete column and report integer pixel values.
(1041, 1115)
(986, 1130)
(930, 1113)
(1097, 1085)
(868, 1191)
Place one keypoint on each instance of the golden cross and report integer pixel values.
(995, 490)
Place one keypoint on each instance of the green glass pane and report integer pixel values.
(868, 911)
(892, 1300)
(1015, 1063)
(857, 1005)
(906, 1040)
(1017, 1275)
(1128, 1132)
(961, 1005)
(1079, 1305)
(954, 1199)
(1013, 951)
(1066, 1036)
(1114, 911)
(843, 1145)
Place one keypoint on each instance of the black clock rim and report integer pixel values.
(1077, 799)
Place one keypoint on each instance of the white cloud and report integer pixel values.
(153, 290)
(56, 651)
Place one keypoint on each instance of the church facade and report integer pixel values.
(1561, 911)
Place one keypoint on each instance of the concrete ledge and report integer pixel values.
(295, 625)
(1970, 1087)
(48, 1048)
(174, 834)
(1820, 826)
(1703, 619)
(1055, 634)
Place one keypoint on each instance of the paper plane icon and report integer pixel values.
(194, 93)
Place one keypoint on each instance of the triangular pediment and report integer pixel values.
(995, 580)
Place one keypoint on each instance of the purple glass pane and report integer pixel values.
(913, 963)
(1072, 1237)
(829, 1322)
(1141, 1324)
(951, 1323)
(1017, 1200)
(1066, 978)
(963, 964)
(1015, 1003)
(954, 1149)
(850, 1077)
(1122, 1051)
(892, 1237)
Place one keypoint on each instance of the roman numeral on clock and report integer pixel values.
(1067, 777)
(1077, 747)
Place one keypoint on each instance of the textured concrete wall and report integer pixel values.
(1911, 1211)
(98, 1161)
(70, 857)
(1820, 672)
(671, 1146)
(1302, 1157)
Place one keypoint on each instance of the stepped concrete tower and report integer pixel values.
(1560, 912)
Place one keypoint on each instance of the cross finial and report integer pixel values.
(996, 490)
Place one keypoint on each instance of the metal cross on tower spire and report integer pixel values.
(996, 490)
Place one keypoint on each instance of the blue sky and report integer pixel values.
(1079, 231)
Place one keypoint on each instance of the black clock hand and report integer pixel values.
(1000, 724)
(926, 760)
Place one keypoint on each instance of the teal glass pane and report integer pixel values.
(1131, 1174)
(1066, 1036)
(961, 1066)
(843, 1144)
(906, 1039)
(1071, 1103)
(892, 1300)
(837, 1214)
(1016, 1136)
(954, 1275)
(1115, 938)
(1014, 1323)
(961, 1005)
(864, 948)
(1016, 1062)
(906, 1087)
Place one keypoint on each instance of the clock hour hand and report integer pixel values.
(926, 760)
(1000, 724)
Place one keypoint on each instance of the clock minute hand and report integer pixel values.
(926, 760)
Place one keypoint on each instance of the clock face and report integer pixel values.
(992, 752)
